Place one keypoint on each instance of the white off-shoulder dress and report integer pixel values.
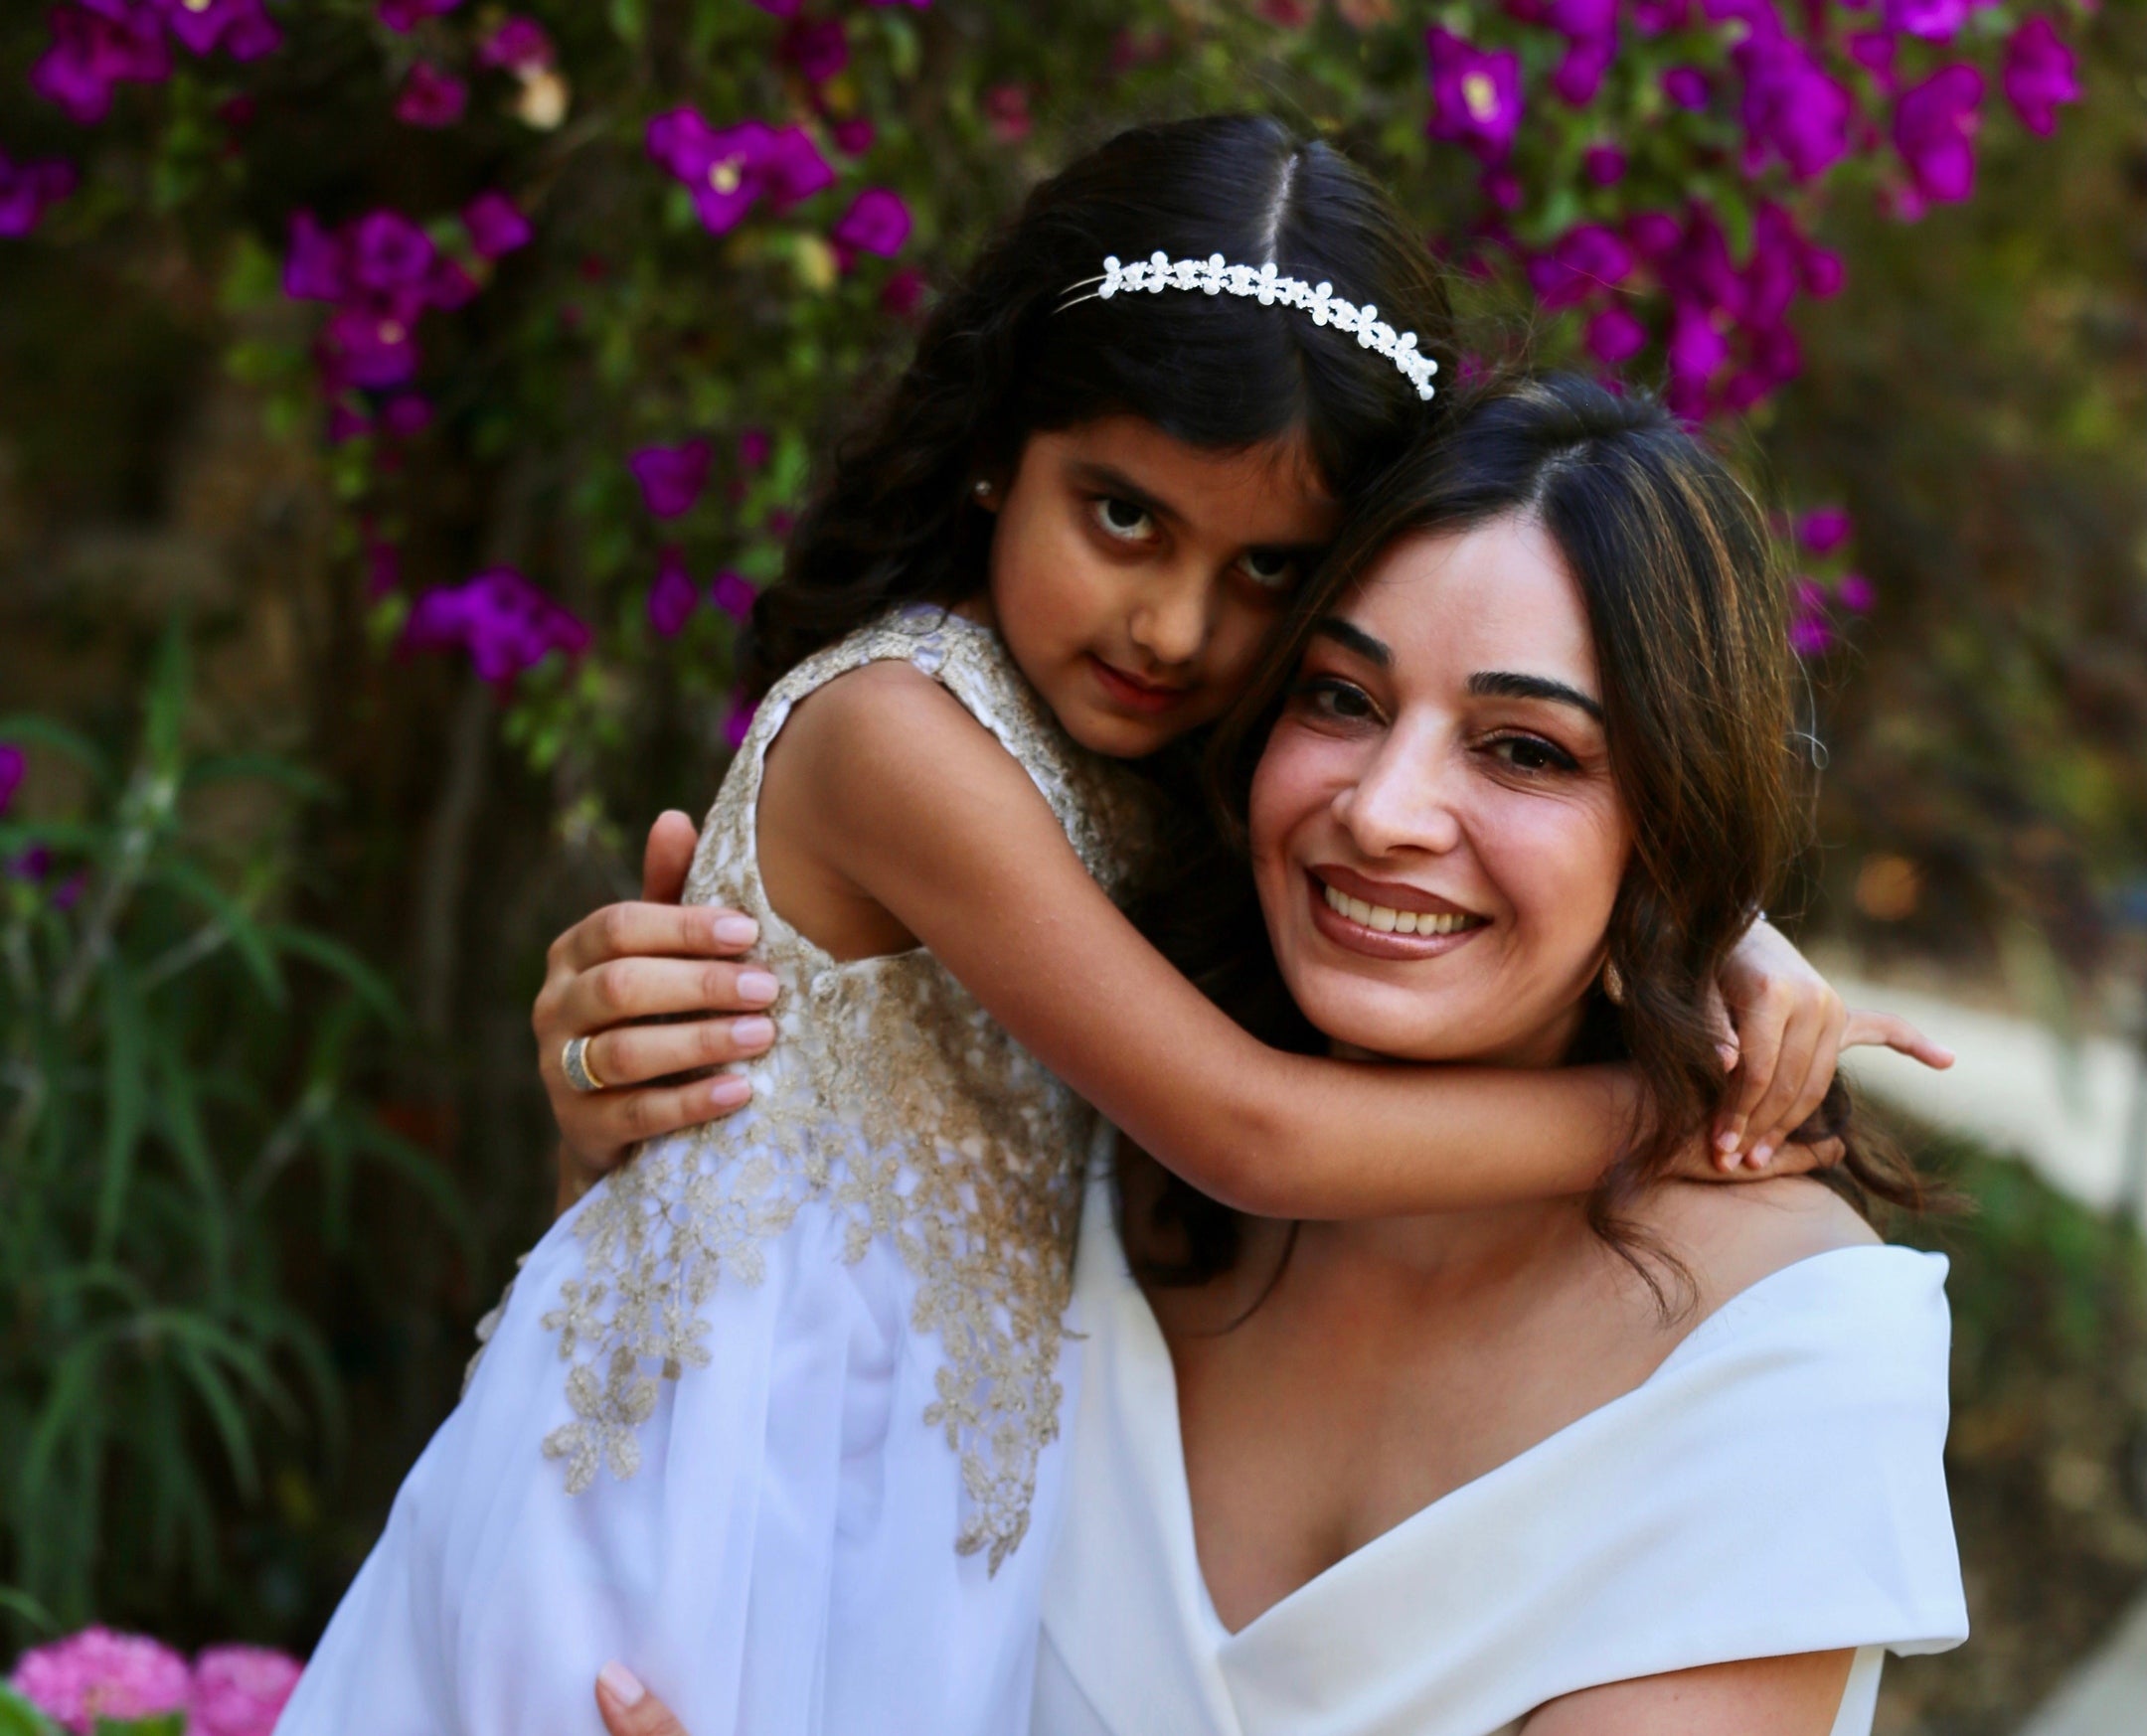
(770, 1414)
(1774, 1487)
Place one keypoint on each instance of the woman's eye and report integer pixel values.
(1123, 519)
(1269, 570)
(1532, 753)
(1338, 699)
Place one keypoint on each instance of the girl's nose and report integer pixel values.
(1402, 802)
(1171, 621)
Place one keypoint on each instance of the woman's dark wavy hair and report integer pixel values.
(1686, 602)
(1002, 356)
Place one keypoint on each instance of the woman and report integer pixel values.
(1663, 1459)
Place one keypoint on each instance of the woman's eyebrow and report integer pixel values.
(1501, 684)
(1353, 638)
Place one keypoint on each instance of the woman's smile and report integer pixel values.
(1385, 919)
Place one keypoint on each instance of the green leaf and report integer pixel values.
(263, 768)
(24, 1607)
(124, 1100)
(247, 937)
(333, 956)
(18, 1717)
(164, 1724)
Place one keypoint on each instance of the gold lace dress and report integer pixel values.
(769, 1412)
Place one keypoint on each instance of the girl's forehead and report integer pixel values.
(1270, 491)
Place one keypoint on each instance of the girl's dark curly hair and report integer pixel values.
(1686, 602)
(1002, 356)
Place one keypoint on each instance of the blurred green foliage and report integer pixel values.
(162, 1082)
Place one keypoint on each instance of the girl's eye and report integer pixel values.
(1532, 753)
(1269, 568)
(1121, 520)
(1339, 700)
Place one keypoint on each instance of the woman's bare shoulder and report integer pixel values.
(1731, 1237)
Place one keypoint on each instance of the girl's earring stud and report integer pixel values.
(1613, 984)
(981, 488)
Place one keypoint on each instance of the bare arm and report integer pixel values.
(883, 779)
(1763, 1696)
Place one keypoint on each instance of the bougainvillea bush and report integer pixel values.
(582, 287)
(562, 299)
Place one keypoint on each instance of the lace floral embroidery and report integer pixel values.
(893, 1097)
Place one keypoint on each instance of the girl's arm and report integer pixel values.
(1762, 1696)
(882, 791)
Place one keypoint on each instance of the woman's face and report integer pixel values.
(1435, 833)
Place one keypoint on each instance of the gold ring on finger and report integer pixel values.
(574, 1062)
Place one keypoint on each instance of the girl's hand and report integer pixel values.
(628, 1708)
(624, 965)
(1783, 1034)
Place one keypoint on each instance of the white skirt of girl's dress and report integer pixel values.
(783, 1562)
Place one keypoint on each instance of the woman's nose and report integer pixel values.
(1402, 801)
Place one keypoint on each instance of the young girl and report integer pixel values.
(772, 1409)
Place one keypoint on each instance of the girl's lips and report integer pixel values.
(1130, 691)
(1372, 942)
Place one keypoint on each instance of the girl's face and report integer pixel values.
(1435, 832)
(1135, 578)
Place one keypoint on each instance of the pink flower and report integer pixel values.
(1854, 593)
(495, 225)
(389, 252)
(98, 1675)
(728, 170)
(2040, 73)
(1605, 165)
(671, 477)
(1934, 131)
(732, 594)
(672, 597)
(904, 292)
(819, 49)
(503, 621)
(314, 269)
(853, 137)
(517, 44)
(1824, 530)
(29, 190)
(240, 26)
(753, 448)
(1792, 107)
(430, 98)
(1475, 96)
(406, 15)
(91, 51)
(1809, 633)
(1006, 112)
(405, 416)
(1932, 20)
(740, 720)
(1615, 336)
(1588, 258)
(877, 221)
(238, 1690)
(370, 348)
(1687, 86)
(12, 765)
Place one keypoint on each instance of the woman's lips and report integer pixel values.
(1136, 695)
(1346, 931)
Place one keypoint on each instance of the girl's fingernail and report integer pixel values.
(1761, 1154)
(752, 1034)
(1728, 1139)
(622, 1684)
(737, 930)
(756, 988)
(729, 1091)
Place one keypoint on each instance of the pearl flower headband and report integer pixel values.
(1211, 275)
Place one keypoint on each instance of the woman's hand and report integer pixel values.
(624, 965)
(1784, 1032)
(628, 1708)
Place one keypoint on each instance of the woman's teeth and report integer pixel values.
(1388, 921)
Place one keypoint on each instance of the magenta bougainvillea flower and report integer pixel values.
(739, 722)
(98, 1675)
(1605, 165)
(242, 29)
(671, 477)
(853, 137)
(406, 15)
(1589, 258)
(1687, 86)
(238, 1690)
(387, 252)
(1932, 20)
(504, 622)
(1824, 530)
(1006, 113)
(778, 8)
(13, 766)
(1934, 127)
(727, 170)
(1654, 17)
(1792, 108)
(405, 416)
(495, 225)
(91, 51)
(1854, 593)
(819, 48)
(430, 98)
(517, 44)
(877, 221)
(1475, 96)
(1615, 335)
(732, 594)
(903, 292)
(2040, 73)
(753, 448)
(313, 270)
(672, 597)
(1590, 28)
(29, 190)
